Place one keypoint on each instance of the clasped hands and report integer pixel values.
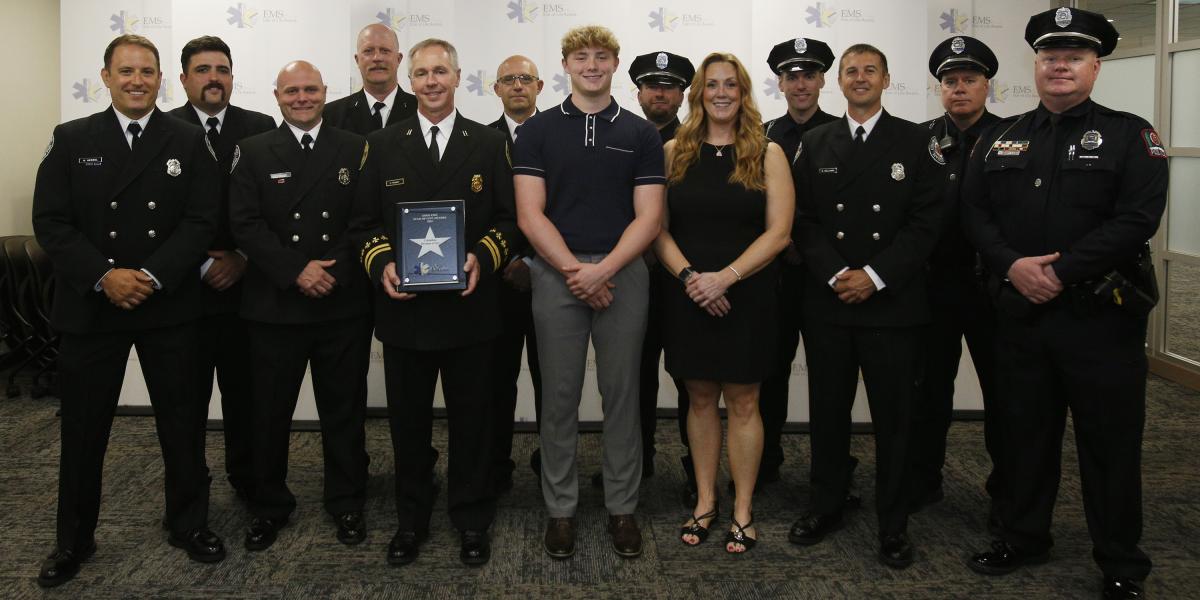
(853, 286)
(708, 288)
(391, 281)
(1035, 279)
(127, 288)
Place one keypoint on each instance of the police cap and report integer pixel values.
(1071, 28)
(800, 54)
(662, 68)
(963, 52)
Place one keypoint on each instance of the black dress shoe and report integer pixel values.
(1121, 587)
(812, 528)
(201, 545)
(1004, 558)
(262, 533)
(476, 547)
(404, 547)
(351, 528)
(62, 565)
(896, 551)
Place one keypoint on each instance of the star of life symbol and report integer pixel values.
(241, 15)
(429, 243)
(123, 22)
(522, 11)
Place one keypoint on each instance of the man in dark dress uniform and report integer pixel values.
(517, 85)
(867, 190)
(125, 204)
(305, 301)
(380, 102)
(1060, 202)
(662, 79)
(801, 64)
(963, 66)
(224, 345)
(439, 155)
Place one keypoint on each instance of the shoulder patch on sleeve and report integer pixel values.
(208, 144)
(1150, 137)
(49, 147)
(935, 151)
(366, 149)
(237, 155)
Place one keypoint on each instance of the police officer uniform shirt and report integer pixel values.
(799, 54)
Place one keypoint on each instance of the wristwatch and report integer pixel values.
(685, 273)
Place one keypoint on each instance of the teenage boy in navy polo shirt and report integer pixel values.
(590, 184)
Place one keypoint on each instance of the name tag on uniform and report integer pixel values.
(94, 161)
(824, 170)
(281, 177)
(394, 182)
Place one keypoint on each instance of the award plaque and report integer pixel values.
(429, 245)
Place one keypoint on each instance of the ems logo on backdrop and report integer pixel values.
(561, 83)
(125, 21)
(823, 14)
(398, 22)
(954, 21)
(479, 83)
(771, 88)
(662, 21)
(526, 11)
(1001, 91)
(900, 88)
(88, 90)
(245, 16)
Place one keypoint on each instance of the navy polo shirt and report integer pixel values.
(591, 163)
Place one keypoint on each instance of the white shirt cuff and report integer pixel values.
(879, 284)
(833, 280)
(99, 287)
(204, 267)
(157, 284)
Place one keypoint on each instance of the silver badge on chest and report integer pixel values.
(1091, 140)
(173, 168)
(897, 171)
(344, 176)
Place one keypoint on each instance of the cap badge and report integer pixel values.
(897, 171)
(173, 168)
(660, 61)
(801, 45)
(1062, 17)
(1091, 140)
(957, 45)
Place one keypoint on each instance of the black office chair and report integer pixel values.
(41, 294)
(22, 337)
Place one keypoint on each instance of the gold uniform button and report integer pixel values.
(840, 235)
(295, 237)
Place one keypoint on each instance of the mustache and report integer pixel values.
(215, 85)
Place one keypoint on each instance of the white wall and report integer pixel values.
(266, 34)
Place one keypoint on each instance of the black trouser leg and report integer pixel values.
(980, 333)
(516, 308)
(224, 347)
(773, 397)
(933, 406)
(410, 377)
(470, 497)
(832, 383)
(280, 359)
(341, 355)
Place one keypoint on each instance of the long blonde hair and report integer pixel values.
(750, 142)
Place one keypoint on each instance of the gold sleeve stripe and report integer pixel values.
(494, 250)
(373, 254)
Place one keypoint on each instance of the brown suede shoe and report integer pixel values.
(626, 537)
(560, 537)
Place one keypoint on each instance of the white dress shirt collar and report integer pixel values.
(388, 103)
(867, 126)
(124, 121)
(299, 133)
(445, 126)
(204, 117)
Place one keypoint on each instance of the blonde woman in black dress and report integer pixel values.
(730, 202)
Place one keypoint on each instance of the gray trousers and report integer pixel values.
(564, 325)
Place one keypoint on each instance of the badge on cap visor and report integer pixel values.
(801, 45)
(957, 45)
(661, 60)
(1062, 17)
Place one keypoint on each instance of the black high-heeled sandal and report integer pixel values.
(698, 530)
(739, 536)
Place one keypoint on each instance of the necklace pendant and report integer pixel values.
(719, 152)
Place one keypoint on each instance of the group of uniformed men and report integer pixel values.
(213, 241)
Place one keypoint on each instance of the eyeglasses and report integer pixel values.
(512, 79)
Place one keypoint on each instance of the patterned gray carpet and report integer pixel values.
(134, 560)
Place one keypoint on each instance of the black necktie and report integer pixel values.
(136, 131)
(213, 134)
(306, 142)
(434, 152)
(516, 131)
(377, 117)
(860, 135)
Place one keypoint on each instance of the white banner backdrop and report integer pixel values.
(265, 35)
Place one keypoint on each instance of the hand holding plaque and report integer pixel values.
(431, 252)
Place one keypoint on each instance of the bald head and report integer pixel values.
(377, 53)
(300, 92)
(518, 85)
